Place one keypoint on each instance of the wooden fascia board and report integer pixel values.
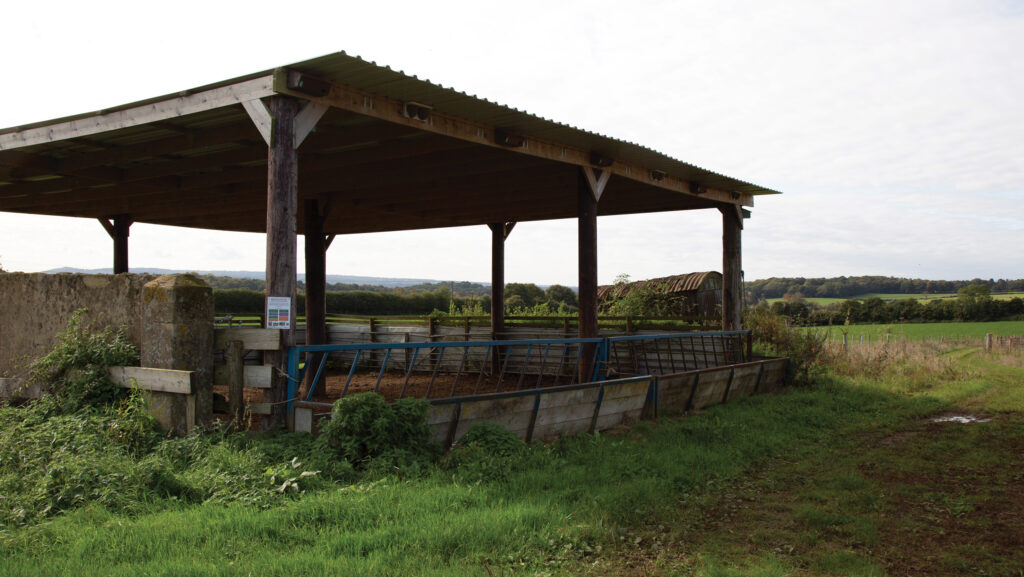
(143, 114)
(390, 110)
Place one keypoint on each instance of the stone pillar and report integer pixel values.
(177, 333)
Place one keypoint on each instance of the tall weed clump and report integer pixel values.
(915, 365)
(806, 351)
(366, 430)
(487, 452)
(92, 443)
(75, 370)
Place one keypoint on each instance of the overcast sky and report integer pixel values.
(895, 129)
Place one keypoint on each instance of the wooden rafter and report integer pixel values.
(160, 109)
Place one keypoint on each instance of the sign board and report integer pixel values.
(279, 312)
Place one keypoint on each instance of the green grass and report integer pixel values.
(923, 298)
(850, 477)
(919, 331)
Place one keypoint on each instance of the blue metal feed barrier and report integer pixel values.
(406, 369)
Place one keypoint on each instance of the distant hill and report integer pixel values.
(252, 274)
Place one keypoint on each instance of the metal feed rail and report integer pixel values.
(513, 361)
(676, 352)
(558, 358)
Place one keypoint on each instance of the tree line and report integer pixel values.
(460, 288)
(853, 286)
(973, 303)
(518, 297)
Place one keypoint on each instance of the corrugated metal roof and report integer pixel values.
(366, 75)
(382, 80)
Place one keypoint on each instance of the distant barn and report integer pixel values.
(695, 293)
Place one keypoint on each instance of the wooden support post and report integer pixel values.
(497, 288)
(122, 224)
(497, 279)
(589, 192)
(732, 269)
(236, 379)
(316, 287)
(282, 205)
(118, 229)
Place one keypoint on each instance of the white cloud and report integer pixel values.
(892, 127)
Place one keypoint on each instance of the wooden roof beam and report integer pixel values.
(139, 114)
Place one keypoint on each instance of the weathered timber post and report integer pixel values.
(316, 287)
(178, 334)
(499, 234)
(988, 342)
(118, 228)
(497, 279)
(732, 267)
(590, 188)
(122, 224)
(236, 382)
(282, 205)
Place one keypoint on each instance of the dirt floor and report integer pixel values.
(394, 385)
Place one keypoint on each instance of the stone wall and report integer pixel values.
(35, 307)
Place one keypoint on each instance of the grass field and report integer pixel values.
(854, 476)
(919, 331)
(923, 298)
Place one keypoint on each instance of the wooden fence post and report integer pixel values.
(373, 338)
(988, 342)
(236, 380)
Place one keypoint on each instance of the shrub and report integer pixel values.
(364, 427)
(804, 349)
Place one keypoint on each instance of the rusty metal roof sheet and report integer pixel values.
(694, 281)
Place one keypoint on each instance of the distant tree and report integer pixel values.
(974, 292)
(974, 302)
(793, 297)
(528, 293)
(558, 294)
(514, 302)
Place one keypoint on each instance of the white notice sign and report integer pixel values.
(279, 311)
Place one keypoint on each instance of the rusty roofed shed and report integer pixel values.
(695, 293)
